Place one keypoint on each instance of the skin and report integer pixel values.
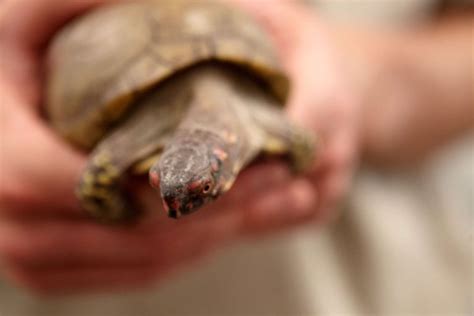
(38, 210)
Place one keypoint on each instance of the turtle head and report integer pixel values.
(187, 178)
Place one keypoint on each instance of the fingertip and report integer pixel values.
(285, 205)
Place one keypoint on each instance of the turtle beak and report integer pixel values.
(171, 207)
(174, 214)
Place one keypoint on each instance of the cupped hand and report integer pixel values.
(48, 245)
(323, 100)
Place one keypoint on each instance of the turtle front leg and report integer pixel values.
(100, 190)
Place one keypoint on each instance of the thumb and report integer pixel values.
(38, 171)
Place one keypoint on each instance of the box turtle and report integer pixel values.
(187, 91)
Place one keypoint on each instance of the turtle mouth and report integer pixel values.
(171, 211)
(174, 214)
(176, 207)
(171, 206)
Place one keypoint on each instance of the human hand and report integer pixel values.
(322, 100)
(47, 244)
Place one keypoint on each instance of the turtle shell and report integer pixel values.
(118, 52)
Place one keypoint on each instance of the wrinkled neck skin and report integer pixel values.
(210, 145)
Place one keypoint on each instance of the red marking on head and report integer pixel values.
(222, 155)
(166, 207)
(214, 165)
(194, 185)
(189, 206)
(230, 137)
(154, 179)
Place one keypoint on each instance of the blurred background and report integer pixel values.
(402, 245)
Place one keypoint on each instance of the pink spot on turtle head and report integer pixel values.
(189, 206)
(165, 206)
(194, 185)
(154, 179)
(221, 154)
(214, 165)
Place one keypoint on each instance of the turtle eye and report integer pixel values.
(206, 188)
(201, 186)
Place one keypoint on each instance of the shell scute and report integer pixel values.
(118, 52)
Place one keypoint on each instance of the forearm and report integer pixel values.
(420, 92)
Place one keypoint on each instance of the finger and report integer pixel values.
(333, 175)
(178, 249)
(39, 171)
(252, 181)
(255, 179)
(50, 243)
(267, 195)
(75, 280)
(34, 22)
(332, 186)
(25, 28)
(60, 243)
(281, 206)
(340, 150)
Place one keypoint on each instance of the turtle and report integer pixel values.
(190, 92)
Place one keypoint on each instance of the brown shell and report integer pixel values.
(117, 52)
